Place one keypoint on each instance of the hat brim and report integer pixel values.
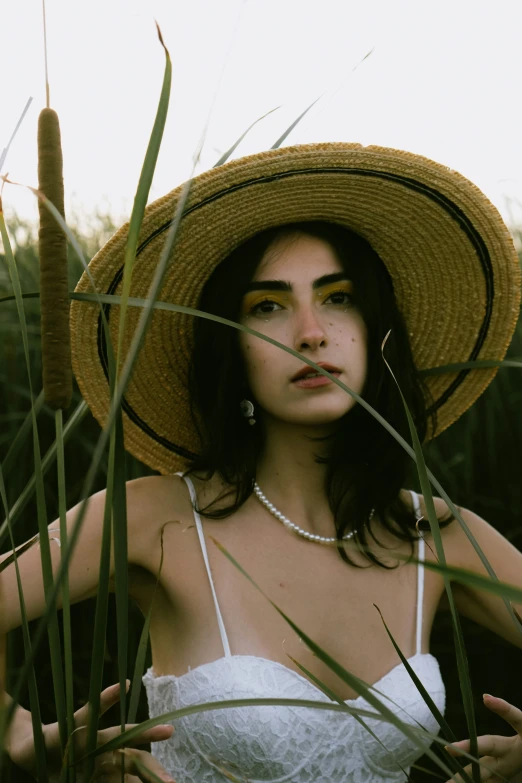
(454, 268)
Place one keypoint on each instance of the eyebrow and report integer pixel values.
(282, 285)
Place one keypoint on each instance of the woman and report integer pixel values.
(323, 249)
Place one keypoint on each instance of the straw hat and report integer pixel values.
(454, 268)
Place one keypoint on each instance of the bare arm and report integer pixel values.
(484, 608)
(148, 499)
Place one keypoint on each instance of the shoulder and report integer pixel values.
(476, 547)
(151, 491)
(458, 539)
(408, 496)
(152, 502)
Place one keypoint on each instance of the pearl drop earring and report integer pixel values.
(247, 409)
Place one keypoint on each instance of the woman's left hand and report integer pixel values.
(502, 755)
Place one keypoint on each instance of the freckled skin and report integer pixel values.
(321, 329)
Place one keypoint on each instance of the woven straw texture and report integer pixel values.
(454, 268)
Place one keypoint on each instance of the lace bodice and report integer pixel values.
(288, 744)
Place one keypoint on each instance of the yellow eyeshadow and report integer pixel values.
(252, 299)
(256, 297)
(344, 286)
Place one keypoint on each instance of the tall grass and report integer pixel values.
(465, 465)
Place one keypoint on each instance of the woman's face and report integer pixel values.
(301, 297)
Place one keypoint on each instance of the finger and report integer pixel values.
(155, 734)
(487, 745)
(134, 762)
(141, 763)
(511, 714)
(158, 733)
(487, 768)
(108, 698)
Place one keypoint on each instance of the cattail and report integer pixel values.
(54, 288)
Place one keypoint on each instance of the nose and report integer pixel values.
(309, 330)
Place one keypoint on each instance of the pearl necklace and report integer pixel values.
(291, 526)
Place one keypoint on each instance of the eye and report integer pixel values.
(340, 298)
(265, 307)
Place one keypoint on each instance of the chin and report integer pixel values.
(322, 418)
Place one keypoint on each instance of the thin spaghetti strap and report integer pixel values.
(420, 578)
(199, 526)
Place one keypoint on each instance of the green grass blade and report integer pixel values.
(354, 682)
(462, 661)
(292, 126)
(119, 523)
(45, 551)
(142, 192)
(100, 619)
(226, 155)
(194, 709)
(3, 156)
(477, 364)
(106, 298)
(439, 717)
(116, 402)
(21, 435)
(73, 421)
(129, 735)
(146, 773)
(152, 304)
(25, 295)
(39, 744)
(470, 578)
(102, 598)
(117, 451)
(333, 696)
(66, 605)
(19, 551)
(139, 667)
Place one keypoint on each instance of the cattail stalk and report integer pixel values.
(54, 288)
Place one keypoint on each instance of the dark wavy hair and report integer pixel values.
(371, 473)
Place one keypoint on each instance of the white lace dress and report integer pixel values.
(288, 744)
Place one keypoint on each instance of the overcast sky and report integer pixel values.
(444, 80)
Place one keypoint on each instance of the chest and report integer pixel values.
(332, 602)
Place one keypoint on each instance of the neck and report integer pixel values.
(293, 480)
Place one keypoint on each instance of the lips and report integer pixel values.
(307, 370)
